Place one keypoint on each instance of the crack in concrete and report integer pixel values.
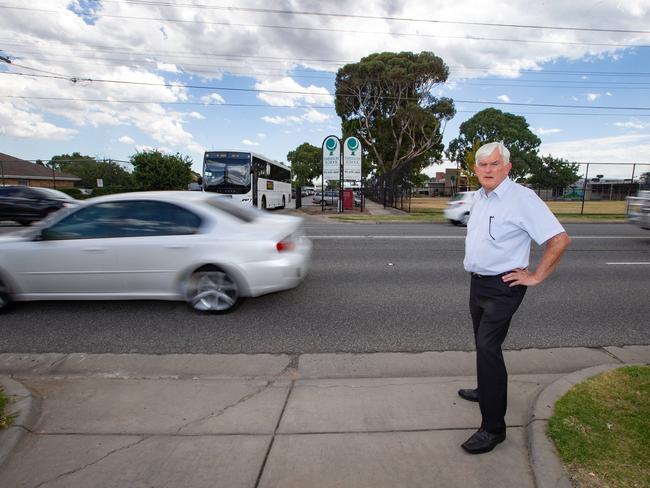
(77, 470)
(227, 407)
(612, 355)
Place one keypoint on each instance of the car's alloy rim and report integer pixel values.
(213, 291)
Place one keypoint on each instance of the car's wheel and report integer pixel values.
(464, 219)
(212, 290)
(264, 202)
(5, 301)
(455, 222)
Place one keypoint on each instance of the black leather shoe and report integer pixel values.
(482, 441)
(469, 395)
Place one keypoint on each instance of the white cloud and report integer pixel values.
(593, 96)
(16, 122)
(261, 135)
(504, 98)
(212, 98)
(278, 120)
(248, 142)
(145, 147)
(286, 91)
(311, 116)
(541, 131)
(196, 115)
(629, 148)
(126, 140)
(170, 68)
(632, 124)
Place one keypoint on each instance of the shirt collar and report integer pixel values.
(500, 190)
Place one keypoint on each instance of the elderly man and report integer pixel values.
(505, 217)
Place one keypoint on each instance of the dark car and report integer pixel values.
(24, 204)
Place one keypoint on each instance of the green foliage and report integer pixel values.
(153, 170)
(385, 100)
(550, 172)
(492, 125)
(306, 162)
(602, 426)
(90, 170)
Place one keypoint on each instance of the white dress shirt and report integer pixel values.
(501, 227)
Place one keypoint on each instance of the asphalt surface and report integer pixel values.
(372, 287)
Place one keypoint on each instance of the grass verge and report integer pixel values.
(601, 429)
(5, 420)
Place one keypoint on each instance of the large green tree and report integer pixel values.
(491, 125)
(556, 173)
(89, 169)
(306, 162)
(153, 170)
(385, 100)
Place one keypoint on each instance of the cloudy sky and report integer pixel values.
(110, 77)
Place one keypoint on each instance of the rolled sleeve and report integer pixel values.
(538, 220)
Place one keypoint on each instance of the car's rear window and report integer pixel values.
(243, 213)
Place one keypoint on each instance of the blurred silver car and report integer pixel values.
(459, 207)
(191, 246)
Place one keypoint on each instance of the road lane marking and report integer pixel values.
(628, 263)
(456, 237)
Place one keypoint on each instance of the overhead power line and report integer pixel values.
(375, 17)
(458, 101)
(337, 30)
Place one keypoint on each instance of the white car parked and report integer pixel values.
(191, 246)
(459, 207)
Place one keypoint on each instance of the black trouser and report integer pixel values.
(492, 304)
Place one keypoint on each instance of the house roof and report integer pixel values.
(11, 167)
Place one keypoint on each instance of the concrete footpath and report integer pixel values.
(313, 420)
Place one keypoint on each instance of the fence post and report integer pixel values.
(584, 190)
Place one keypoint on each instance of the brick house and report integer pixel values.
(14, 171)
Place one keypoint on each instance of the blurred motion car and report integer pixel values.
(191, 246)
(459, 207)
(638, 209)
(330, 197)
(26, 204)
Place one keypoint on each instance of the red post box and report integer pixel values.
(348, 199)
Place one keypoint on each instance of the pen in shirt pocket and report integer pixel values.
(490, 228)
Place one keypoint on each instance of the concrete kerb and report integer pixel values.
(548, 470)
(25, 409)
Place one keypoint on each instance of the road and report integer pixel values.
(372, 287)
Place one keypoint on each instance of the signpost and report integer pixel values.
(331, 158)
(352, 159)
(340, 166)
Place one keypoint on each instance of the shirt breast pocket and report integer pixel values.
(496, 229)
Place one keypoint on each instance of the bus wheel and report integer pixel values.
(264, 202)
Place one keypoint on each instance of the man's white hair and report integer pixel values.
(487, 149)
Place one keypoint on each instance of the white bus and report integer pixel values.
(246, 177)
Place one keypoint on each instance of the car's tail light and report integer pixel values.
(285, 244)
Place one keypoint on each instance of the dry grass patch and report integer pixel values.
(601, 429)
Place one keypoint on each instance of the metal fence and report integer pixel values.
(602, 188)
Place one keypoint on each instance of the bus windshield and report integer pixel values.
(223, 171)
